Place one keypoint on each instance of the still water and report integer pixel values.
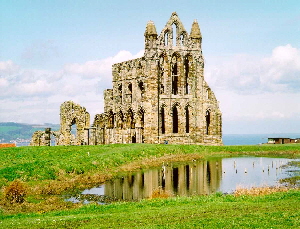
(194, 178)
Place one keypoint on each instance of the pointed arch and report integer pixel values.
(129, 95)
(166, 37)
(187, 61)
(130, 119)
(175, 119)
(162, 61)
(187, 119)
(182, 38)
(174, 34)
(120, 119)
(133, 139)
(141, 116)
(162, 119)
(175, 73)
(207, 120)
(111, 119)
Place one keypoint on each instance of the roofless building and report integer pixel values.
(158, 98)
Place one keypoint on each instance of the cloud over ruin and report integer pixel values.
(246, 74)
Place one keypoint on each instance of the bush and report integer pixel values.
(15, 192)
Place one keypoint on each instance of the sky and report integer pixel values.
(52, 51)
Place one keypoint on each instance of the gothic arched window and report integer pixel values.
(174, 76)
(174, 29)
(162, 118)
(186, 75)
(130, 119)
(187, 120)
(175, 119)
(207, 118)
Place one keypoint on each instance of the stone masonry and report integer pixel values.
(161, 97)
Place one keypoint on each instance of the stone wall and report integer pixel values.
(162, 97)
(71, 114)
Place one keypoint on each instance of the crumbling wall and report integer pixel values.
(43, 138)
(73, 114)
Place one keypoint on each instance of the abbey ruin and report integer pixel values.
(161, 97)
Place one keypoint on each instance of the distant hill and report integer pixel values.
(21, 132)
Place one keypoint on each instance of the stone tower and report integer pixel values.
(162, 97)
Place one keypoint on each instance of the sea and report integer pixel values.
(241, 139)
(254, 139)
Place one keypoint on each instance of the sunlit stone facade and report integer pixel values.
(161, 97)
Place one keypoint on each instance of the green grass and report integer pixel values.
(46, 163)
(54, 170)
(279, 210)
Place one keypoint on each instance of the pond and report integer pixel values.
(194, 178)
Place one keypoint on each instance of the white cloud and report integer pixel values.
(258, 94)
(247, 74)
(93, 69)
(35, 88)
(3, 82)
(35, 95)
(8, 68)
(261, 113)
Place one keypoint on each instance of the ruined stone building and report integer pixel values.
(161, 97)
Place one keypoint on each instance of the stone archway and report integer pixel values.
(73, 114)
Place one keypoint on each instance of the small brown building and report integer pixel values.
(283, 140)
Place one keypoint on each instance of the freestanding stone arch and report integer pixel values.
(71, 114)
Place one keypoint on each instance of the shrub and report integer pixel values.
(15, 192)
(160, 193)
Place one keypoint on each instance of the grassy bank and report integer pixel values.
(279, 210)
(47, 172)
(52, 163)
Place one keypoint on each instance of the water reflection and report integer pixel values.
(195, 178)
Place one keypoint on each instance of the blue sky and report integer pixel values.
(49, 49)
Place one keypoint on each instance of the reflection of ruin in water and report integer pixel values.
(197, 178)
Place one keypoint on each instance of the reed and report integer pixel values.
(259, 191)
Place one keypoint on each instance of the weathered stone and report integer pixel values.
(161, 97)
(73, 114)
(70, 114)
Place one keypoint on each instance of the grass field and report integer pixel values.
(47, 172)
(279, 210)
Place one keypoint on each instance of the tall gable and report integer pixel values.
(174, 32)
